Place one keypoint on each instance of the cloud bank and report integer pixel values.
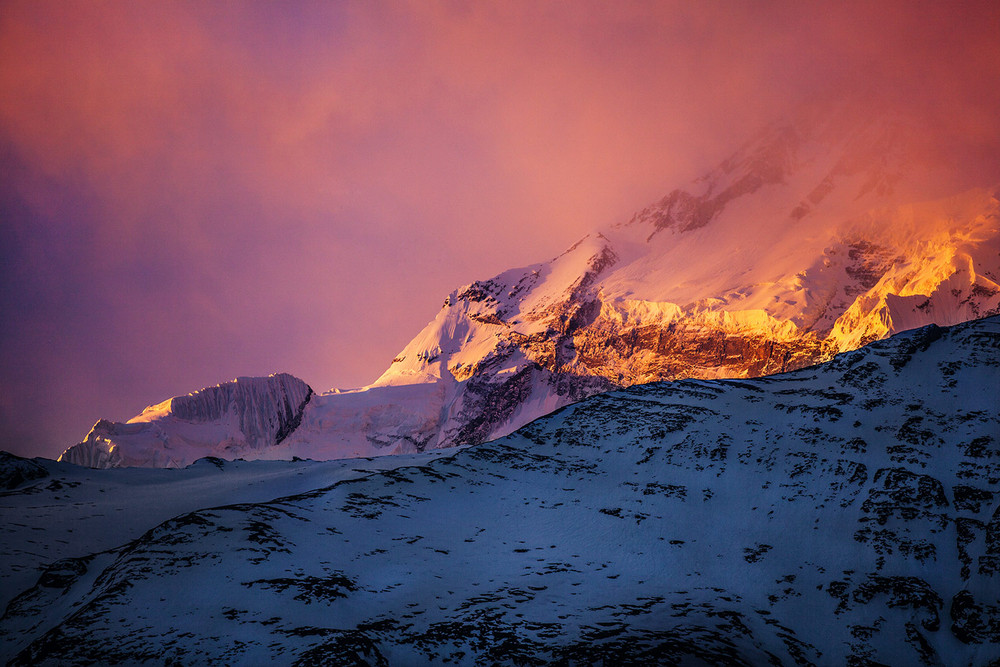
(195, 191)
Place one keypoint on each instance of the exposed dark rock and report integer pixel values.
(905, 494)
(972, 622)
(971, 499)
(909, 592)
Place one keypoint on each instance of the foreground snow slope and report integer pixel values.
(51, 511)
(839, 514)
(835, 227)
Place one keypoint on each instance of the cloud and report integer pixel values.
(198, 190)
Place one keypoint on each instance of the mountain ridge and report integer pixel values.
(819, 235)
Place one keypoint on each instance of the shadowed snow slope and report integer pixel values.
(828, 230)
(839, 514)
(74, 511)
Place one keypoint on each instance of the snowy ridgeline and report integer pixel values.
(839, 514)
(241, 417)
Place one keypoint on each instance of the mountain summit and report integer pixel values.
(826, 231)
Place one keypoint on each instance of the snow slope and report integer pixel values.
(839, 514)
(51, 511)
(830, 229)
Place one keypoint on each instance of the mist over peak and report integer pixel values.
(216, 184)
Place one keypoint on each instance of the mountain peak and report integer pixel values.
(821, 233)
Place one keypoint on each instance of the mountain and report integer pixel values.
(845, 513)
(836, 227)
(229, 420)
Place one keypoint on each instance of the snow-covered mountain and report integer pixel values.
(230, 420)
(826, 231)
(847, 513)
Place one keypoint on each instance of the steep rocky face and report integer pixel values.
(843, 514)
(228, 420)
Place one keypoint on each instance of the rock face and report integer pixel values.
(824, 232)
(842, 514)
(229, 420)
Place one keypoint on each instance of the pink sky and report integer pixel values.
(196, 191)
